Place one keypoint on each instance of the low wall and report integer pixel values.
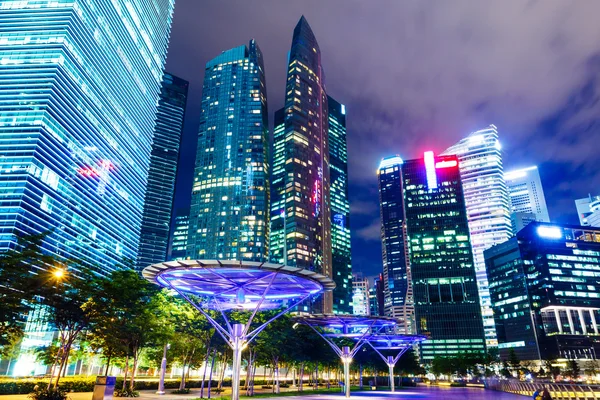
(558, 391)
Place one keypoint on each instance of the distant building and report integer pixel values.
(446, 297)
(158, 204)
(376, 296)
(520, 220)
(545, 292)
(488, 209)
(341, 256)
(586, 207)
(526, 194)
(398, 301)
(229, 215)
(360, 296)
(179, 238)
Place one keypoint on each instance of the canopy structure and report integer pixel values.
(333, 326)
(395, 342)
(238, 285)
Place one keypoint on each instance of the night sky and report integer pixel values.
(419, 75)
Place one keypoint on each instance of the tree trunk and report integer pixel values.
(224, 366)
(276, 375)
(360, 379)
(65, 360)
(204, 374)
(52, 370)
(136, 356)
(108, 363)
(182, 383)
(301, 378)
(211, 372)
(126, 371)
(317, 377)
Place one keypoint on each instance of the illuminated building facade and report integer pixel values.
(376, 296)
(158, 206)
(588, 210)
(544, 290)
(79, 85)
(398, 301)
(179, 237)
(360, 296)
(229, 216)
(341, 257)
(300, 211)
(526, 196)
(488, 209)
(446, 298)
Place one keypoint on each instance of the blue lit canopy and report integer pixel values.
(345, 325)
(393, 342)
(238, 285)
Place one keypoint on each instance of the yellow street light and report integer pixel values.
(59, 273)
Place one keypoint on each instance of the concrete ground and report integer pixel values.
(418, 393)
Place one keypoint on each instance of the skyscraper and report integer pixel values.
(398, 300)
(341, 257)
(229, 215)
(158, 205)
(526, 196)
(300, 211)
(79, 83)
(179, 238)
(488, 209)
(586, 207)
(544, 287)
(360, 296)
(444, 284)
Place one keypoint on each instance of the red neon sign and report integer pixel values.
(446, 164)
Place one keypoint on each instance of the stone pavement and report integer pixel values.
(418, 393)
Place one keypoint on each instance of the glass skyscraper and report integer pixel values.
(544, 288)
(526, 195)
(488, 209)
(158, 206)
(229, 215)
(398, 300)
(79, 85)
(341, 257)
(179, 237)
(300, 211)
(443, 275)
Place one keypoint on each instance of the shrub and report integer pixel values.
(181, 391)
(127, 393)
(48, 394)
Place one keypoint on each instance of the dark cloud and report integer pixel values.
(418, 75)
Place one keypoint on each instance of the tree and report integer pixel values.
(513, 360)
(591, 369)
(19, 276)
(129, 313)
(552, 370)
(572, 371)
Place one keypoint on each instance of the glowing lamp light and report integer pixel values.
(430, 169)
(59, 273)
(550, 232)
(446, 164)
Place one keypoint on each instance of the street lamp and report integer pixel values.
(163, 370)
(59, 273)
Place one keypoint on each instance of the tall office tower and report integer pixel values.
(300, 211)
(398, 300)
(360, 296)
(158, 205)
(488, 208)
(586, 207)
(544, 287)
(443, 274)
(229, 215)
(341, 257)
(79, 82)
(179, 237)
(526, 195)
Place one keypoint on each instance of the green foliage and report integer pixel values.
(48, 394)
(572, 371)
(21, 279)
(127, 392)
(513, 360)
(181, 391)
(591, 368)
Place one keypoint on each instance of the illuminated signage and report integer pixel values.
(430, 169)
(446, 164)
(551, 232)
(390, 162)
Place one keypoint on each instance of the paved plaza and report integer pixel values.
(418, 393)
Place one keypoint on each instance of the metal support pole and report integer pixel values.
(163, 371)
(237, 344)
(390, 363)
(346, 360)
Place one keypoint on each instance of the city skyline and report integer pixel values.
(373, 130)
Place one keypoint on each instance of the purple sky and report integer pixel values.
(419, 75)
